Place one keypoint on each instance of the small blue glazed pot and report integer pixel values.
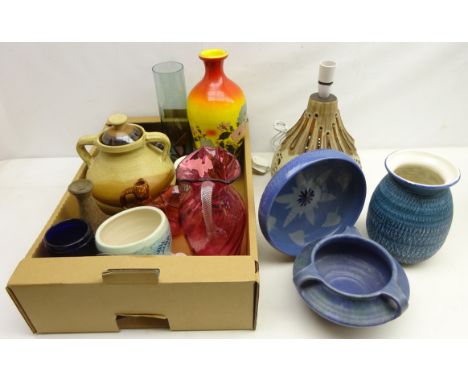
(318, 193)
(410, 212)
(351, 281)
(72, 237)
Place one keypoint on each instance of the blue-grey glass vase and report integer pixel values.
(169, 81)
(410, 219)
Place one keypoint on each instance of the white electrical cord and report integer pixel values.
(281, 129)
(259, 164)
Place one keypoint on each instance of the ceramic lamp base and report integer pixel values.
(320, 127)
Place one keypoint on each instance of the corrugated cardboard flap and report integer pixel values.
(172, 269)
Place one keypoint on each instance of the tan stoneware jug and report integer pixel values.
(128, 166)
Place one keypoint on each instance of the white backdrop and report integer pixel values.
(390, 95)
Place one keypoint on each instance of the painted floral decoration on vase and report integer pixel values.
(216, 107)
(212, 213)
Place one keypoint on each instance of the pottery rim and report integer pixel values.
(213, 54)
(157, 232)
(83, 226)
(443, 167)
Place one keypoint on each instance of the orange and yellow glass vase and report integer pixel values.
(216, 107)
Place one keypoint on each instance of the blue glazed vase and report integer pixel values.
(410, 212)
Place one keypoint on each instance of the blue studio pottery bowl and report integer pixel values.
(316, 194)
(351, 281)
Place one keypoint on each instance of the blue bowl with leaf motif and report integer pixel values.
(316, 194)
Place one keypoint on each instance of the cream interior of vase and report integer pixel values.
(419, 162)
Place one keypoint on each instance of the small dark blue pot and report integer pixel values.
(351, 281)
(72, 237)
(412, 220)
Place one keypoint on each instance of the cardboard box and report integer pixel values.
(109, 293)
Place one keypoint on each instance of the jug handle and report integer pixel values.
(207, 207)
(80, 148)
(152, 137)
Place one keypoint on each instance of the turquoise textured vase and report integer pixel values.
(410, 213)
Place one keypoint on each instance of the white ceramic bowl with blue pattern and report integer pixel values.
(137, 231)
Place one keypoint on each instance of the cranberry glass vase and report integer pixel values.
(212, 213)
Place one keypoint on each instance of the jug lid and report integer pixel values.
(316, 194)
(119, 132)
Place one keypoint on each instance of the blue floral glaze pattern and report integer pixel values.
(316, 194)
(411, 224)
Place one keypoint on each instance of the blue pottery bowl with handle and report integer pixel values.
(351, 281)
(411, 210)
(308, 210)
